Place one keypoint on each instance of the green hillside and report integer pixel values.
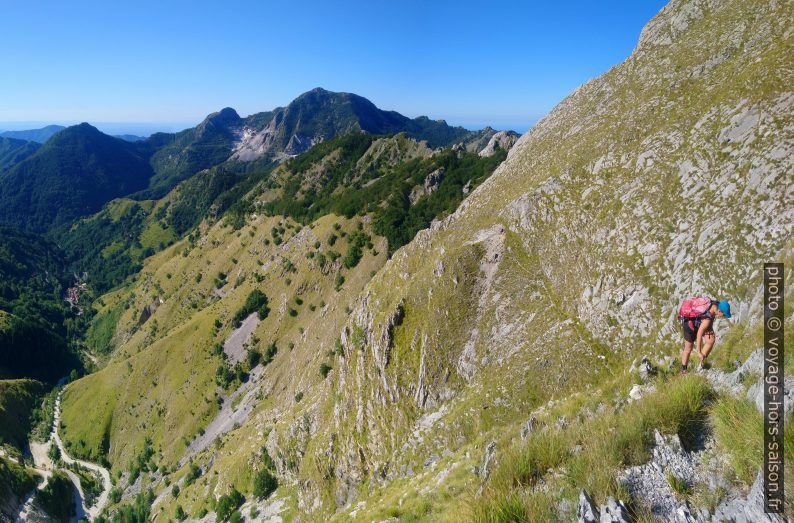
(35, 320)
(325, 324)
(181, 155)
(72, 175)
(13, 151)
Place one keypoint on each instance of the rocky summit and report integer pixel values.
(343, 314)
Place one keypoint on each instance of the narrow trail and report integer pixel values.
(87, 512)
(44, 466)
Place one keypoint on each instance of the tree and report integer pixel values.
(265, 484)
(325, 369)
(228, 504)
(57, 497)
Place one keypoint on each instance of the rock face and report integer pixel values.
(147, 311)
(501, 140)
(319, 115)
(431, 183)
(668, 176)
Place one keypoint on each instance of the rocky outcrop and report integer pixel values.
(749, 509)
(613, 511)
(431, 183)
(503, 140)
(148, 310)
(588, 511)
(650, 482)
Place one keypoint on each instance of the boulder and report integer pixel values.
(646, 369)
(614, 511)
(587, 511)
(501, 140)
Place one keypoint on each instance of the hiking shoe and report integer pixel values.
(684, 372)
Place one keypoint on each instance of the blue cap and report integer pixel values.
(725, 307)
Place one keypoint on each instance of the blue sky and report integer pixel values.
(170, 63)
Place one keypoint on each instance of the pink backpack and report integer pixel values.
(693, 308)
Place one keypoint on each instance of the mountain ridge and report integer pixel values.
(512, 361)
(77, 171)
(40, 135)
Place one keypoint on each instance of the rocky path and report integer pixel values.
(42, 465)
(649, 482)
(88, 512)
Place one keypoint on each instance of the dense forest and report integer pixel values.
(347, 188)
(35, 321)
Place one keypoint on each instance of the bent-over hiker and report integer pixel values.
(697, 320)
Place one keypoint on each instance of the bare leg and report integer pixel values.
(687, 351)
(708, 343)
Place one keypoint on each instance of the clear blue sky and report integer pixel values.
(172, 62)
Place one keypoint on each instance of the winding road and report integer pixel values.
(44, 466)
(102, 500)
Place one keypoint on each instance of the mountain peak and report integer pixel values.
(225, 115)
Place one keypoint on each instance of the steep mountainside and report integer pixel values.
(670, 175)
(259, 140)
(77, 171)
(319, 115)
(185, 153)
(485, 371)
(34, 135)
(35, 321)
(190, 300)
(13, 151)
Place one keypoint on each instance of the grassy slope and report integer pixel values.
(161, 384)
(551, 229)
(573, 233)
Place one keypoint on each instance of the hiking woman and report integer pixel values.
(697, 317)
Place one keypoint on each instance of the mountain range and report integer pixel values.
(47, 189)
(34, 135)
(332, 312)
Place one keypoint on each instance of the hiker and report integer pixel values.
(697, 320)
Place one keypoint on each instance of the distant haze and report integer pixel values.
(113, 128)
(145, 129)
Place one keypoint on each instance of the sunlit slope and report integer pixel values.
(161, 383)
(669, 175)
